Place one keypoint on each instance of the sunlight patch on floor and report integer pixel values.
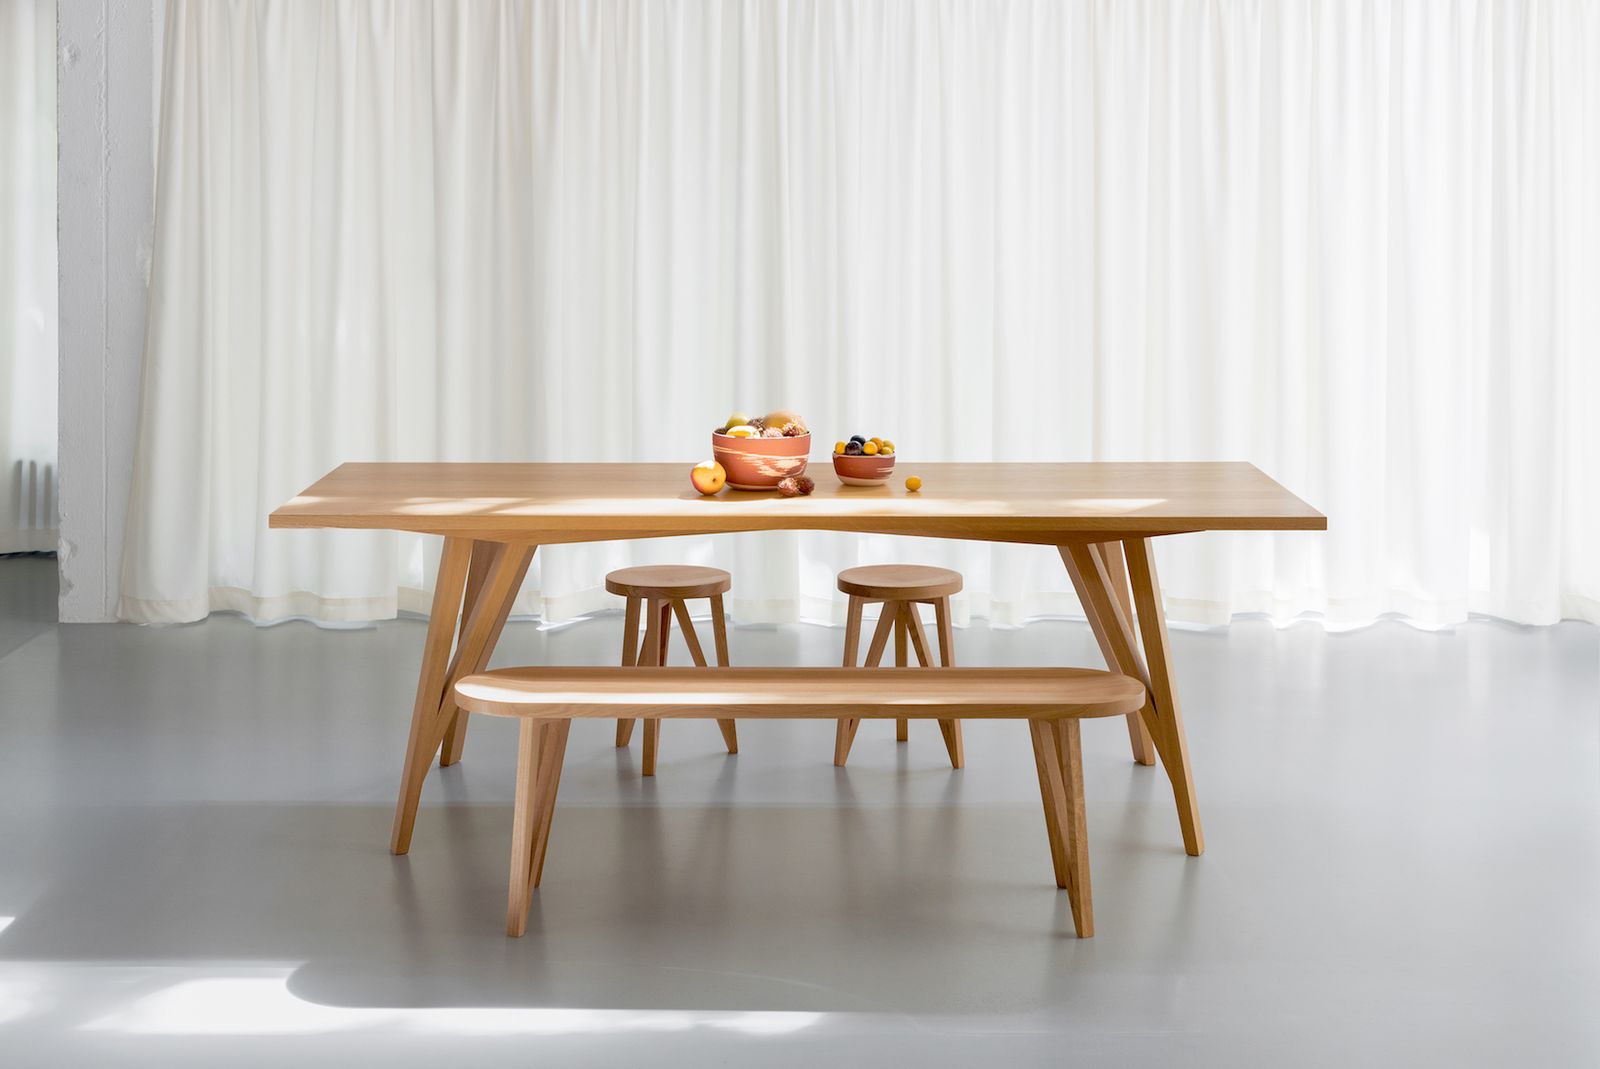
(263, 1005)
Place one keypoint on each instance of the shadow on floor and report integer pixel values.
(925, 909)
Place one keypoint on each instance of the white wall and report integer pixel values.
(105, 195)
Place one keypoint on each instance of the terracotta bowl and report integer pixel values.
(863, 470)
(759, 463)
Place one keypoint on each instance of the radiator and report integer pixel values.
(28, 515)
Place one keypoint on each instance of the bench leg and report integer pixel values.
(951, 731)
(1059, 759)
(541, 746)
(553, 755)
(524, 821)
(630, 657)
(652, 745)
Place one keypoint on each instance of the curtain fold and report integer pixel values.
(1353, 243)
(28, 324)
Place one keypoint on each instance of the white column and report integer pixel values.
(105, 194)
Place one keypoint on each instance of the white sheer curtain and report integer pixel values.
(1356, 243)
(27, 275)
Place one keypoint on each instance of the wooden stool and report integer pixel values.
(901, 588)
(664, 588)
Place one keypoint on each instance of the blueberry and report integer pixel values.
(853, 449)
(858, 439)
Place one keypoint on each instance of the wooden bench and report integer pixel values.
(1052, 700)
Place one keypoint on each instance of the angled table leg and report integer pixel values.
(1116, 569)
(1166, 725)
(455, 735)
(484, 555)
(1092, 577)
(1103, 591)
(447, 588)
(483, 621)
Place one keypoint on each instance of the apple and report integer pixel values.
(707, 477)
(782, 418)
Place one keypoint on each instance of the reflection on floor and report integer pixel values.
(1402, 865)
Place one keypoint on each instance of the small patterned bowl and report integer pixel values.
(760, 463)
(863, 470)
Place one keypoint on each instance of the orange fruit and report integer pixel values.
(913, 484)
(871, 449)
(838, 447)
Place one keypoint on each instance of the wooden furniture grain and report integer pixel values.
(899, 588)
(664, 589)
(1052, 700)
(498, 513)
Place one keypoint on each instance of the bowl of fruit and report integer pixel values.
(760, 453)
(863, 461)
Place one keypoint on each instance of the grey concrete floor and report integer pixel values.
(1403, 863)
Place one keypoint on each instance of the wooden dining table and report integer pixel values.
(1101, 517)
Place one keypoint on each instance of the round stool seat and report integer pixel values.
(668, 581)
(899, 582)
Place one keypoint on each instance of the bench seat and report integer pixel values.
(1052, 700)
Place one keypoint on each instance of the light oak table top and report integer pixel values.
(550, 503)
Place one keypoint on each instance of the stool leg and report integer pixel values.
(880, 637)
(1059, 761)
(719, 630)
(919, 639)
(691, 639)
(719, 634)
(660, 621)
(630, 657)
(901, 725)
(950, 729)
(844, 733)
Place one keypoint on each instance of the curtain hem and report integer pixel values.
(1000, 615)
